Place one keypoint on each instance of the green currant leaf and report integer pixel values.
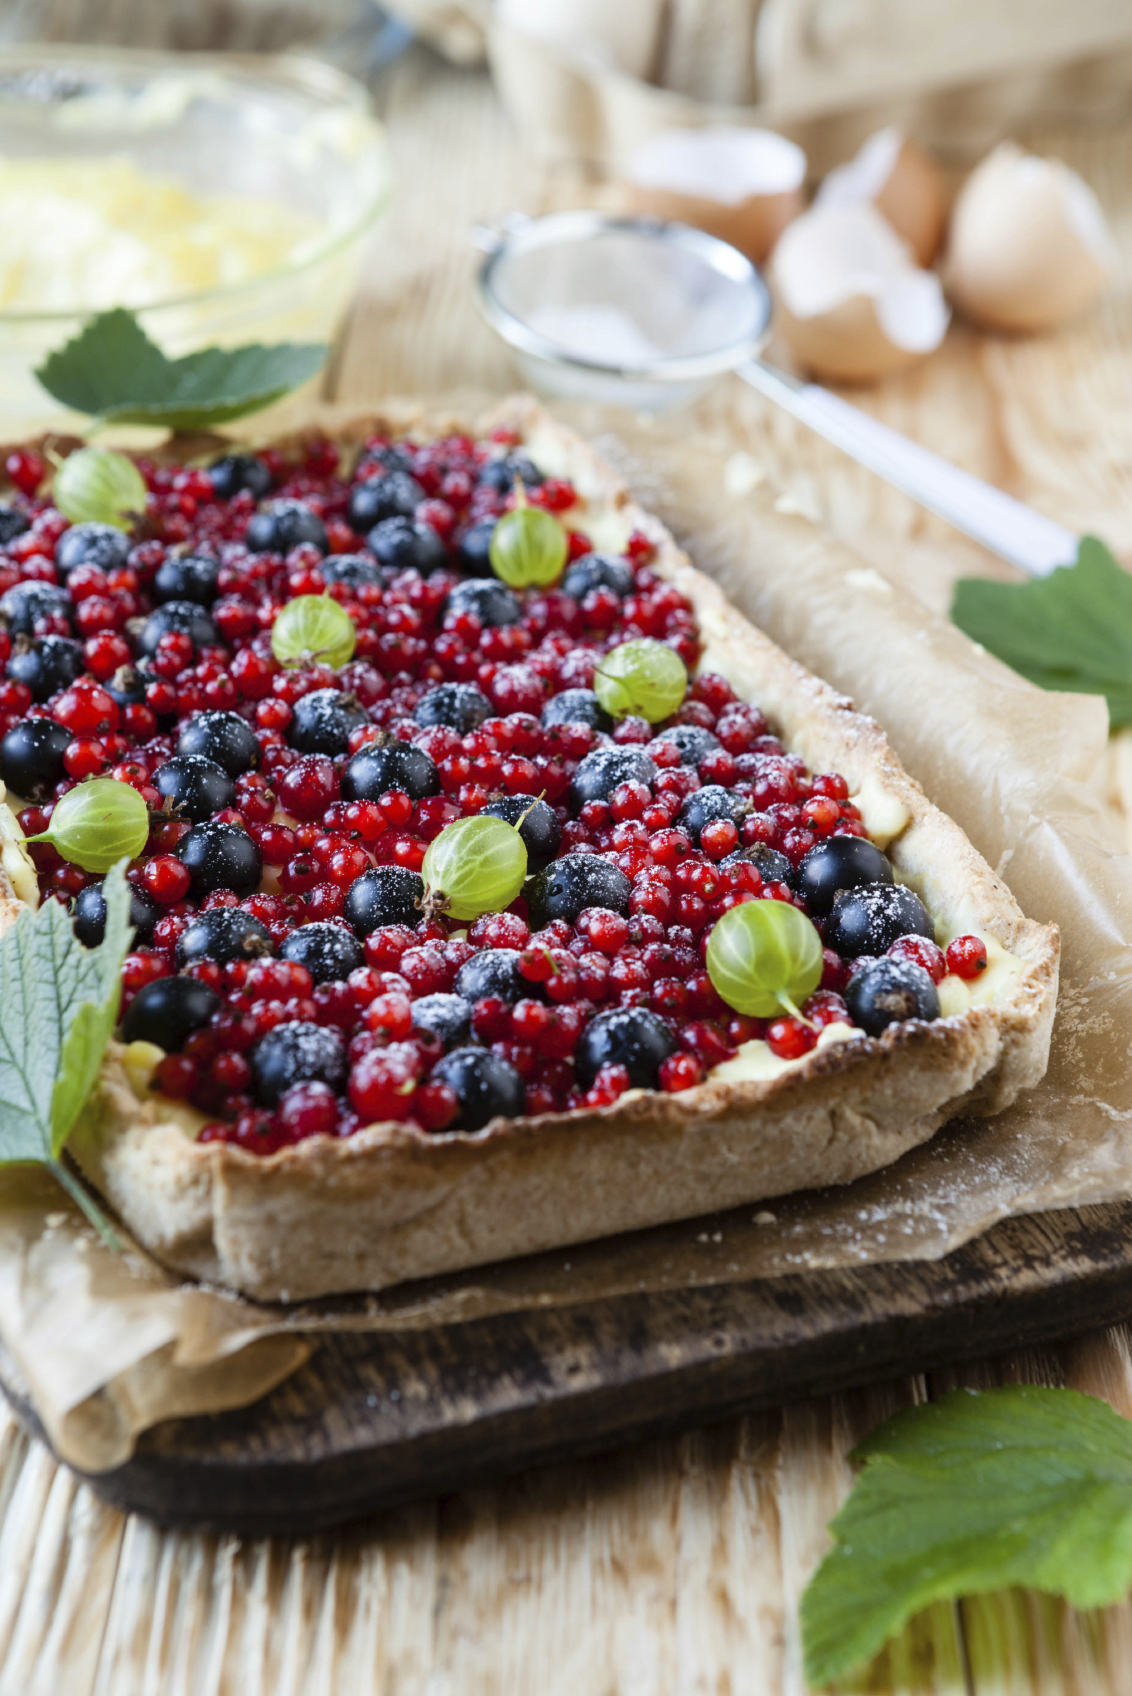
(112, 371)
(60, 1004)
(976, 1492)
(1071, 630)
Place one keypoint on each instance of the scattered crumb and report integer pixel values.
(869, 579)
(799, 503)
(54, 1220)
(742, 474)
(765, 1218)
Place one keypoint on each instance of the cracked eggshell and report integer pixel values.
(1029, 247)
(851, 303)
(743, 185)
(902, 182)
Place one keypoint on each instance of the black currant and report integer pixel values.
(178, 618)
(385, 895)
(352, 570)
(626, 1036)
(88, 915)
(297, 1053)
(598, 571)
(322, 722)
(569, 885)
(224, 738)
(379, 767)
(840, 862)
(706, 805)
(188, 577)
(401, 545)
(329, 951)
(281, 525)
(486, 1086)
(599, 774)
(691, 740)
(31, 756)
(459, 706)
(490, 601)
(495, 972)
(22, 606)
(500, 474)
(395, 495)
(168, 1011)
(576, 706)
(540, 829)
(13, 523)
(235, 473)
(197, 787)
(223, 934)
(45, 665)
(473, 555)
(885, 992)
(220, 856)
(870, 919)
(102, 545)
(447, 1016)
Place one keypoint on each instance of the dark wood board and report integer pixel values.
(372, 1422)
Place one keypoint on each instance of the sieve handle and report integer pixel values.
(1008, 528)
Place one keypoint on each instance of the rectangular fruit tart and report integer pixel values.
(497, 886)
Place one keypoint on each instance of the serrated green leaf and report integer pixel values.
(112, 371)
(1071, 630)
(60, 1004)
(976, 1492)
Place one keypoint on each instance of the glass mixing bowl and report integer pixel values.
(277, 129)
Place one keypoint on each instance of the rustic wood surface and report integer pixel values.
(674, 1566)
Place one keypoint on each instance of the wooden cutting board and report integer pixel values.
(373, 1421)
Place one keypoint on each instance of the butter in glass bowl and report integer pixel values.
(225, 199)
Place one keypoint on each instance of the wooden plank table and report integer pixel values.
(673, 1567)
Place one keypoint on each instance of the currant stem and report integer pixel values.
(88, 1206)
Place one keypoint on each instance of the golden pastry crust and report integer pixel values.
(392, 1202)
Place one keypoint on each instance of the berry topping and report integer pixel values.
(168, 1011)
(570, 885)
(88, 915)
(870, 919)
(224, 739)
(223, 934)
(601, 772)
(385, 895)
(323, 721)
(297, 1053)
(576, 706)
(194, 787)
(352, 571)
(13, 523)
(448, 1017)
(217, 855)
(493, 604)
(282, 525)
(460, 706)
(708, 804)
(492, 972)
(842, 862)
(473, 555)
(885, 992)
(486, 1086)
(536, 823)
(967, 957)
(396, 495)
(178, 618)
(101, 545)
(31, 756)
(327, 950)
(192, 577)
(598, 571)
(237, 473)
(403, 546)
(45, 665)
(379, 767)
(33, 609)
(692, 742)
(630, 1037)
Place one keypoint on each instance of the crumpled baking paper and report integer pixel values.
(107, 1345)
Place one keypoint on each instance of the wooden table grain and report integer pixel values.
(673, 1568)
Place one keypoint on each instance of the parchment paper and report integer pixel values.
(109, 1345)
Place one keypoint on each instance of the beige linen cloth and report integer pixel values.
(589, 80)
(109, 1344)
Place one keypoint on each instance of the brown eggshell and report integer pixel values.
(753, 226)
(845, 344)
(1028, 248)
(914, 200)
